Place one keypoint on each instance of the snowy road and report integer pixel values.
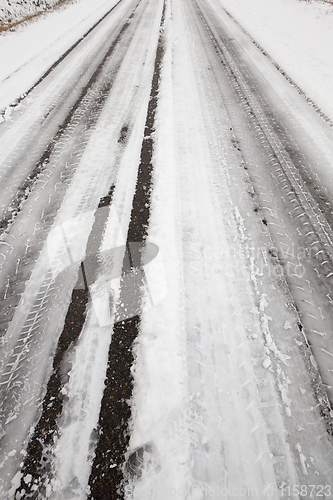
(166, 258)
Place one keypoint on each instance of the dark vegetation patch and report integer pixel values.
(22, 11)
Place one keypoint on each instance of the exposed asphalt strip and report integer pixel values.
(37, 461)
(61, 58)
(107, 475)
(100, 91)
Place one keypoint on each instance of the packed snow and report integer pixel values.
(223, 403)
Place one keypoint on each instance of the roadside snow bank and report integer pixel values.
(17, 10)
(298, 36)
(27, 53)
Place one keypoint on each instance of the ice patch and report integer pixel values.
(266, 363)
(264, 321)
(283, 383)
(302, 458)
(15, 483)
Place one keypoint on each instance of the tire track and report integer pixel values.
(37, 462)
(107, 471)
(91, 98)
(53, 173)
(35, 330)
(225, 126)
(30, 335)
(307, 210)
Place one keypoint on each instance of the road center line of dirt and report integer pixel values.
(36, 461)
(107, 471)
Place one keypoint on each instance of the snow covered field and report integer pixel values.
(11, 12)
(167, 251)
